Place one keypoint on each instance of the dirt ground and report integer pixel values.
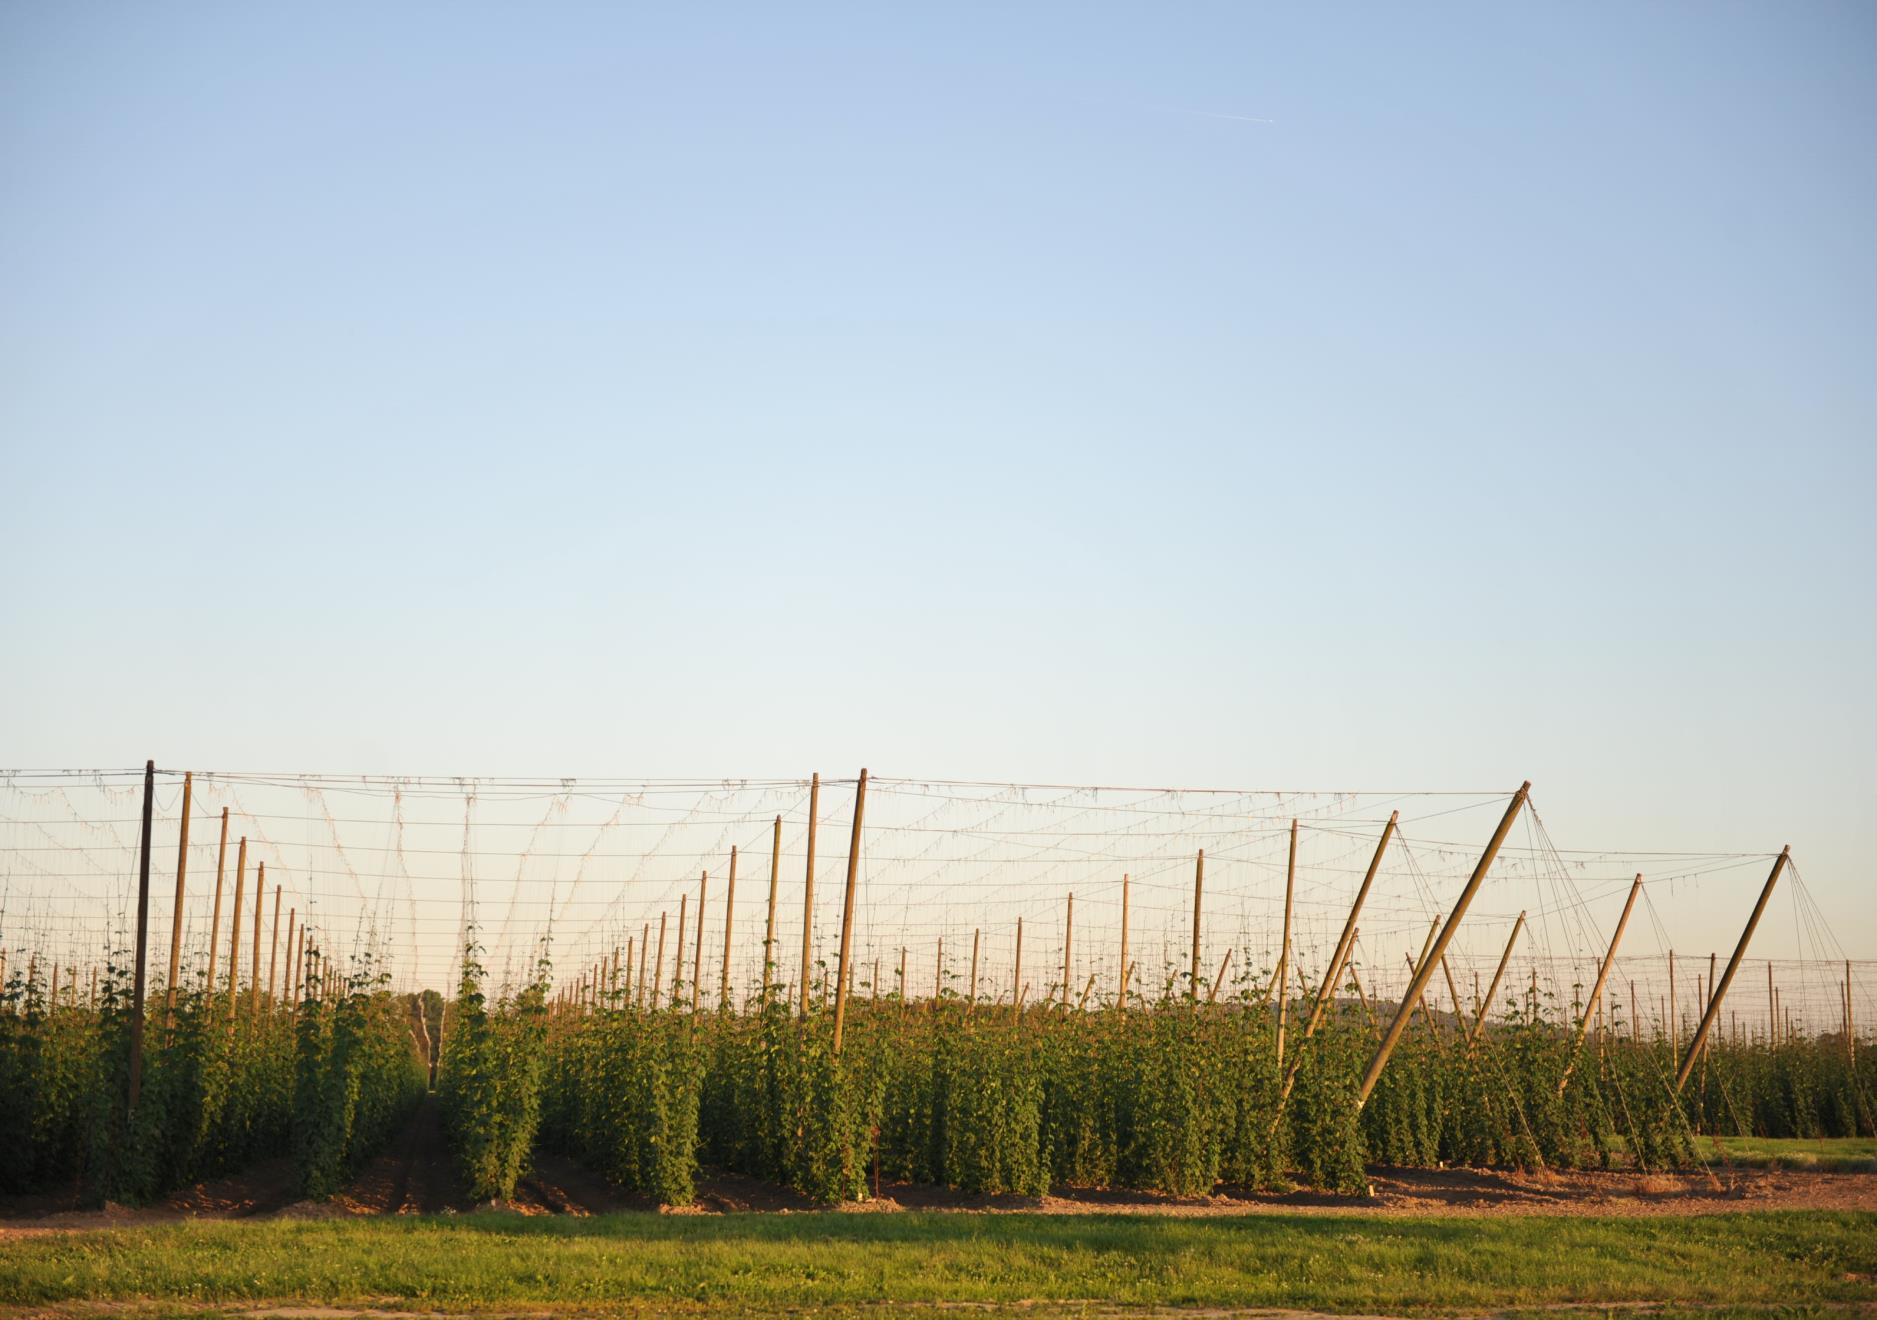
(414, 1176)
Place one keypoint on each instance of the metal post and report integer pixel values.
(143, 930)
(1733, 965)
(847, 913)
(1596, 990)
(1400, 1024)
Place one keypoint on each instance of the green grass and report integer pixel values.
(1826, 1154)
(657, 1264)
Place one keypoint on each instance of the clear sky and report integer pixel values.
(1203, 394)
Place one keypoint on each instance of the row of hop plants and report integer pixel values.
(221, 1087)
(1171, 1096)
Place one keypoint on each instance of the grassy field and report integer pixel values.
(657, 1264)
(1827, 1154)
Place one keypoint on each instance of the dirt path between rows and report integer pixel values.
(415, 1175)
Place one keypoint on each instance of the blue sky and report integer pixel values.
(1210, 394)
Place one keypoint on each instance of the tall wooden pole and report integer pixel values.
(1772, 1007)
(286, 987)
(1393, 1035)
(1121, 987)
(1669, 1020)
(1212, 991)
(215, 920)
(143, 931)
(1199, 884)
(1596, 990)
(645, 947)
(176, 913)
(677, 953)
(729, 915)
(977, 935)
(1850, 1018)
(1733, 965)
(1327, 991)
(234, 932)
(841, 973)
(260, 913)
(658, 970)
(273, 952)
(1505, 959)
(1283, 958)
(1016, 980)
(697, 962)
(769, 931)
(808, 888)
(1068, 941)
(938, 975)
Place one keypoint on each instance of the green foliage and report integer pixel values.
(489, 1080)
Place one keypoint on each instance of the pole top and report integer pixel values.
(1525, 787)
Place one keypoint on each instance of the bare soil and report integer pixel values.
(415, 1176)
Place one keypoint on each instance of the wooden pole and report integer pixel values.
(273, 952)
(697, 961)
(1393, 1035)
(658, 970)
(808, 888)
(1498, 975)
(1596, 989)
(677, 953)
(905, 988)
(1283, 957)
(143, 931)
(215, 919)
(1199, 884)
(1850, 1017)
(176, 913)
(1772, 1007)
(295, 943)
(1212, 991)
(260, 914)
(1016, 978)
(1121, 989)
(938, 975)
(234, 932)
(1326, 992)
(1669, 1020)
(976, 935)
(841, 972)
(1068, 941)
(1733, 965)
(769, 931)
(729, 913)
(1089, 985)
(645, 947)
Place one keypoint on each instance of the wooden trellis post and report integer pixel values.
(769, 931)
(1121, 986)
(1733, 965)
(677, 954)
(1283, 957)
(1199, 884)
(1595, 1003)
(273, 951)
(143, 930)
(176, 914)
(658, 969)
(1212, 991)
(976, 935)
(697, 962)
(729, 915)
(1068, 941)
(847, 913)
(808, 888)
(1016, 976)
(215, 920)
(260, 914)
(938, 975)
(1393, 1035)
(234, 934)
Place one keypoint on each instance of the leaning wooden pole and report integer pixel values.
(1505, 959)
(234, 934)
(808, 889)
(697, 962)
(1283, 957)
(260, 914)
(1068, 942)
(977, 935)
(1199, 885)
(769, 931)
(176, 913)
(1596, 988)
(143, 930)
(677, 955)
(847, 913)
(215, 919)
(729, 913)
(1733, 965)
(1393, 1035)
(273, 951)
(1121, 987)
